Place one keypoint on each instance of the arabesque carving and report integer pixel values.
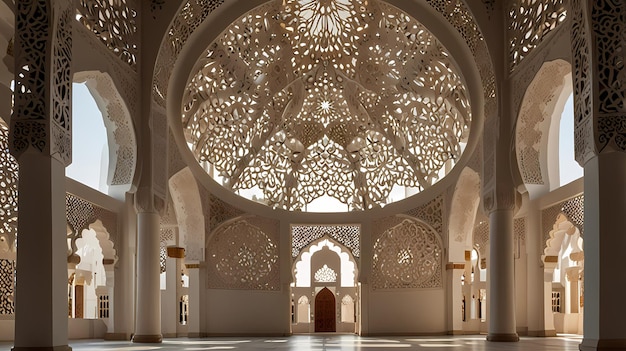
(407, 255)
(43, 87)
(348, 235)
(114, 22)
(530, 21)
(302, 112)
(243, 256)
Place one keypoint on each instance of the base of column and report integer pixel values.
(456, 332)
(116, 336)
(542, 333)
(43, 348)
(148, 339)
(503, 337)
(602, 344)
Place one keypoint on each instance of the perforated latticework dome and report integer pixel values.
(344, 99)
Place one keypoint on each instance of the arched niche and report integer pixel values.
(537, 128)
(122, 143)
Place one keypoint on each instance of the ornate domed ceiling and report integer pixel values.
(351, 102)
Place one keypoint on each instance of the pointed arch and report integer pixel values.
(301, 269)
(538, 125)
(122, 142)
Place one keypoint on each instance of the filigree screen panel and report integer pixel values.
(241, 255)
(7, 284)
(114, 23)
(342, 99)
(347, 235)
(407, 255)
(8, 189)
(529, 22)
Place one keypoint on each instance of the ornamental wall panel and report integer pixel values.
(8, 189)
(244, 255)
(114, 23)
(529, 22)
(407, 253)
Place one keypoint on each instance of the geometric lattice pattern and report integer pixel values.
(432, 213)
(7, 281)
(80, 214)
(574, 210)
(114, 23)
(548, 218)
(407, 255)
(298, 108)
(348, 235)
(220, 212)
(529, 22)
(8, 189)
(162, 258)
(241, 256)
(481, 237)
(519, 229)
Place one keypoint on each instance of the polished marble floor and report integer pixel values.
(330, 342)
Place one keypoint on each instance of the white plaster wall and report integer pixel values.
(242, 312)
(86, 328)
(410, 311)
(77, 329)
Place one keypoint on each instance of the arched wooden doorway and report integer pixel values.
(325, 311)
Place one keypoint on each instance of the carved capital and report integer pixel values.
(499, 199)
(144, 200)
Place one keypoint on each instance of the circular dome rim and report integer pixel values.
(216, 22)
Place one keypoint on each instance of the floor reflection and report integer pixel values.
(333, 342)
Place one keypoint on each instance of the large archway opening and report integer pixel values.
(324, 291)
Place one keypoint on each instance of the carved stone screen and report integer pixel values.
(407, 255)
(240, 255)
(347, 235)
(7, 284)
(303, 100)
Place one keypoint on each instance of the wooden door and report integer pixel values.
(325, 311)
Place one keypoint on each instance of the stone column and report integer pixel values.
(501, 281)
(40, 140)
(148, 317)
(365, 273)
(598, 46)
(455, 297)
(539, 309)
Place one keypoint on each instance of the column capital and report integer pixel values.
(599, 71)
(499, 198)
